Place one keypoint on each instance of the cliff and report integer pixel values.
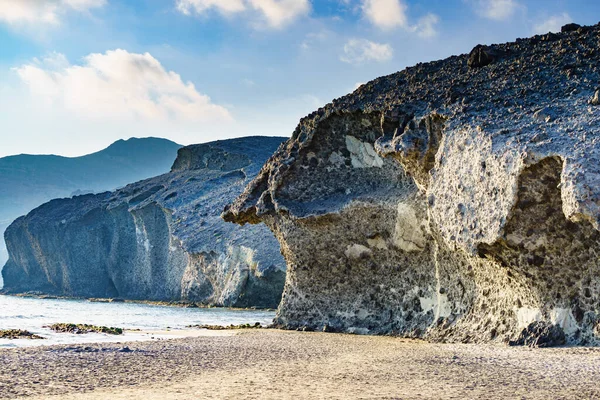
(457, 200)
(158, 239)
(27, 181)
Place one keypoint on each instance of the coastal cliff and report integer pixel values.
(27, 181)
(457, 200)
(159, 239)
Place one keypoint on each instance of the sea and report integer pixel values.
(33, 315)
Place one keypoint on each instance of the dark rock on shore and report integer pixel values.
(18, 334)
(457, 200)
(80, 329)
(159, 239)
(540, 334)
(256, 325)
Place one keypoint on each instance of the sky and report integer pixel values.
(76, 75)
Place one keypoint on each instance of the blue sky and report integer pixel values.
(75, 75)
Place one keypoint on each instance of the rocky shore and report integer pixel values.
(271, 364)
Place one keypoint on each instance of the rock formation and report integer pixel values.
(457, 200)
(158, 239)
(27, 181)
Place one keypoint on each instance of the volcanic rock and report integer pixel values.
(403, 210)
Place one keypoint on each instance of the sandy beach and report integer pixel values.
(271, 364)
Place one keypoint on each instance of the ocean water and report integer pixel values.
(33, 314)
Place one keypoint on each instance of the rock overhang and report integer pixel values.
(463, 138)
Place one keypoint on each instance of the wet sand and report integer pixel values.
(271, 364)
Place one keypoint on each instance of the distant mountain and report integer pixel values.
(27, 181)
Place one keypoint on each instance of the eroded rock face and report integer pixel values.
(457, 200)
(158, 239)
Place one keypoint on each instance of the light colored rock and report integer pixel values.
(526, 316)
(357, 251)
(545, 114)
(378, 243)
(362, 154)
(596, 99)
(408, 235)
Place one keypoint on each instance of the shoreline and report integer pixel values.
(275, 364)
(181, 304)
(101, 339)
(71, 318)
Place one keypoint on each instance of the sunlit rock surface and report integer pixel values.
(457, 200)
(158, 239)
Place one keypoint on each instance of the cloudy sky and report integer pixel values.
(76, 75)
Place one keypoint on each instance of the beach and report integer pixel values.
(274, 364)
(140, 321)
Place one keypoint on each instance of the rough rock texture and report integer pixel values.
(456, 200)
(158, 239)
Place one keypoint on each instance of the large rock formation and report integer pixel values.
(27, 181)
(158, 239)
(456, 200)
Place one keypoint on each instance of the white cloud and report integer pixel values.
(499, 10)
(391, 14)
(553, 24)
(84, 5)
(43, 11)
(226, 7)
(313, 39)
(358, 51)
(275, 13)
(279, 13)
(118, 85)
(386, 14)
(425, 27)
